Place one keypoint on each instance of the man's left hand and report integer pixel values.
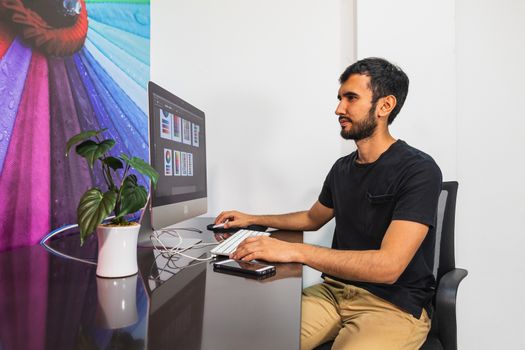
(266, 248)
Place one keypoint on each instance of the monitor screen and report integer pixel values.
(178, 152)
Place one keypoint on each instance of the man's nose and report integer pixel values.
(339, 110)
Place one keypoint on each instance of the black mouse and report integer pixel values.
(222, 229)
(256, 228)
(234, 229)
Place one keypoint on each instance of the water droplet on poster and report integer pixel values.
(4, 68)
(140, 18)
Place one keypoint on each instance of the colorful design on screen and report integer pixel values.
(166, 120)
(167, 162)
(177, 163)
(65, 67)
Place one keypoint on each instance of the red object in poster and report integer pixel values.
(61, 41)
(7, 34)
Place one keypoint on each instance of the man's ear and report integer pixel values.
(386, 105)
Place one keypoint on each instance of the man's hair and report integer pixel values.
(385, 79)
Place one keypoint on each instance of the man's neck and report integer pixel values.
(370, 149)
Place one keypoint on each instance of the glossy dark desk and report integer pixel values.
(49, 302)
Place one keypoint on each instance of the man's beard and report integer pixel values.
(363, 129)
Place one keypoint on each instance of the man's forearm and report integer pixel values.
(299, 221)
(309, 220)
(366, 266)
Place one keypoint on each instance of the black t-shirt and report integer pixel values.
(403, 184)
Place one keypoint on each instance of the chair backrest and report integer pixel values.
(444, 260)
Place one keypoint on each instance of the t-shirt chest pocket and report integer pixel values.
(379, 210)
(379, 198)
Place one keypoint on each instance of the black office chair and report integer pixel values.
(442, 335)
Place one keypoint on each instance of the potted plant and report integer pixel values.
(117, 238)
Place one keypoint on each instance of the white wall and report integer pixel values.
(419, 37)
(266, 74)
(491, 171)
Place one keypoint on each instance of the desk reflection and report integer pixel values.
(48, 302)
(117, 302)
(176, 289)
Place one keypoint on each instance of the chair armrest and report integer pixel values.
(446, 307)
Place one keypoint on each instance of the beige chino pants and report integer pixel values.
(357, 320)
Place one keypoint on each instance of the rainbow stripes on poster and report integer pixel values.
(45, 99)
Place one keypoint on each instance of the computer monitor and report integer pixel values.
(177, 140)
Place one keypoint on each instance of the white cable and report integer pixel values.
(193, 229)
(175, 250)
(170, 267)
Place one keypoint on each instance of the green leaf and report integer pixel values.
(113, 163)
(92, 150)
(142, 167)
(81, 137)
(132, 196)
(124, 157)
(93, 208)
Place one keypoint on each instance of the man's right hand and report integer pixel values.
(235, 219)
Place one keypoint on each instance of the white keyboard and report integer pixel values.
(229, 245)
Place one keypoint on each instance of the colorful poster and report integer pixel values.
(176, 169)
(66, 67)
(177, 129)
(166, 124)
(168, 162)
(196, 130)
(186, 131)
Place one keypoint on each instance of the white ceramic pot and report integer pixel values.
(117, 250)
(117, 302)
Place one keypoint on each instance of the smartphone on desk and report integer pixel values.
(244, 267)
